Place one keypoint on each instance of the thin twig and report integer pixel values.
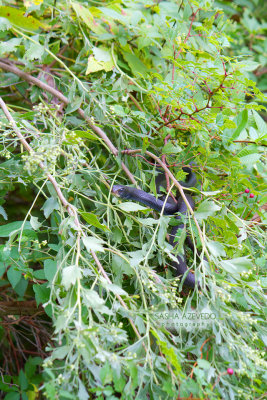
(65, 203)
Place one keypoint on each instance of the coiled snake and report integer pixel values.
(171, 208)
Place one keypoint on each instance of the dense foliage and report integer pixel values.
(94, 93)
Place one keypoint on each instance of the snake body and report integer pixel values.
(170, 208)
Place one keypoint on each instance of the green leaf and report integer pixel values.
(102, 54)
(216, 248)
(101, 60)
(64, 394)
(119, 383)
(92, 219)
(148, 221)
(169, 353)
(111, 13)
(34, 52)
(70, 275)
(60, 352)
(106, 374)
(93, 243)
(3, 213)
(114, 288)
(13, 276)
(39, 274)
(9, 45)
(85, 134)
(5, 25)
(119, 110)
(5, 230)
(23, 382)
(50, 269)
(82, 393)
(121, 266)
(4, 252)
(206, 209)
(203, 363)
(169, 148)
(249, 155)
(93, 300)
(237, 265)
(135, 64)
(241, 124)
(261, 124)
(249, 65)
(41, 293)
(17, 17)
(21, 287)
(12, 396)
(31, 366)
(35, 223)
(49, 206)
(129, 206)
(88, 18)
(163, 226)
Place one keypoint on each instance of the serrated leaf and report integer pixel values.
(237, 265)
(70, 275)
(216, 248)
(60, 352)
(169, 353)
(4, 254)
(102, 54)
(35, 223)
(5, 25)
(119, 110)
(148, 221)
(206, 209)
(93, 243)
(9, 45)
(121, 266)
(34, 52)
(85, 134)
(49, 206)
(3, 213)
(23, 382)
(249, 157)
(130, 206)
(249, 65)
(113, 288)
(93, 300)
(169, 148)
(261, 124)
(93, 65)
(203, 363)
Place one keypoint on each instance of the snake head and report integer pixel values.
(120, 191)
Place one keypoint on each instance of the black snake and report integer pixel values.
(171, 207)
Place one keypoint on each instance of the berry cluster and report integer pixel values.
(251, 194)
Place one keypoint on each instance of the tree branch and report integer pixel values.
(65, 100)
